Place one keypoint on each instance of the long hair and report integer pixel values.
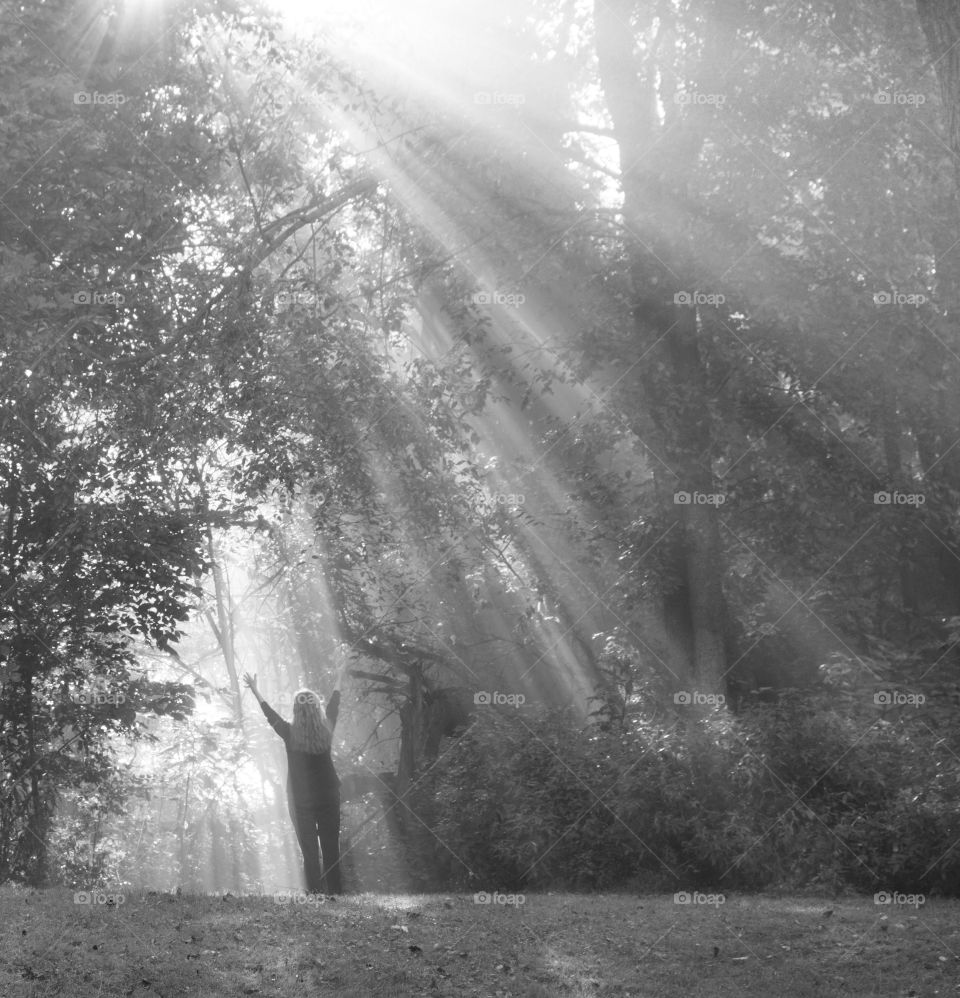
(308, 730)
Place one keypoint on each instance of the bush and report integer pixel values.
(808, 791)
(534, 799)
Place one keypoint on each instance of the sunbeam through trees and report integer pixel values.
(574, 385)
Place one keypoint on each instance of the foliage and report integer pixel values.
(251, 291)
(787, 794)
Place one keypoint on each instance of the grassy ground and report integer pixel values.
(366, 946)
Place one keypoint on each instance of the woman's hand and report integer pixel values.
(341, 675)
(251, 682)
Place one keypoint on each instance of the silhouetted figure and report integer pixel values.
(313, 787)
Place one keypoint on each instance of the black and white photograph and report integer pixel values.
(479, 498)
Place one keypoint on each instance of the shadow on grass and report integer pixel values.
(56, 942)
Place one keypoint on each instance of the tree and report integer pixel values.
(94, 555)
(940, 20)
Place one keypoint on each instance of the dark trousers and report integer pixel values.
(318, 828)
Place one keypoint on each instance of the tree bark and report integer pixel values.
(36, 827)
(223, 629)
(411, 737)
(674, 379)
(940, 21)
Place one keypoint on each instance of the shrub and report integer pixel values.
(533, 798)
(810, 790)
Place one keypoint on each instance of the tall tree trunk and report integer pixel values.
(940, 457)
(182, 819)
(940, 20)
(36, 827)
(411, 742)
(223, 627)
(674, 378)
(891, 431)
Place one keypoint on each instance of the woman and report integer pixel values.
(313, 788)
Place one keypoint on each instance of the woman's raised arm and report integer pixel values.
(251, 682)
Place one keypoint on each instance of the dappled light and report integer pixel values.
(479, 497)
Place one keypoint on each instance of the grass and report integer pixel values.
(367, 946)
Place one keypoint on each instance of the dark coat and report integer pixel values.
(311, 779)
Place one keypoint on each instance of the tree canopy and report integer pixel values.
(600, 355)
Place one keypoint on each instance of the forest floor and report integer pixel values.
(372, 945)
